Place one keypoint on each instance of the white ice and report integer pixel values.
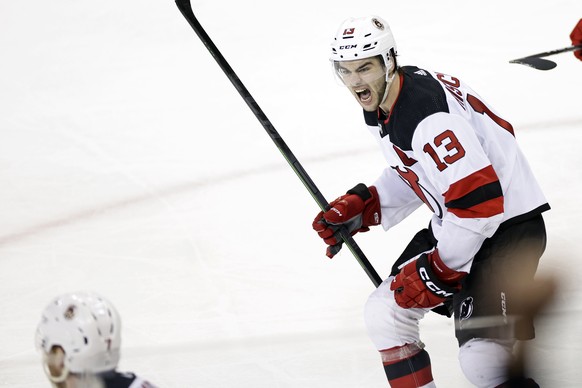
(129, 165)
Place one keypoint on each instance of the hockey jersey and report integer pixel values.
(446, 148)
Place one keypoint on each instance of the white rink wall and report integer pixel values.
(130, 166)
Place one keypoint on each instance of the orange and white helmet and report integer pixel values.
(87, 327)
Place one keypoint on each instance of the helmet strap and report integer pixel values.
(48, 366)
(56, 379)
(389, 77)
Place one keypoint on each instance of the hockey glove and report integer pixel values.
(356, 211)
(576, 37)
(425, 282)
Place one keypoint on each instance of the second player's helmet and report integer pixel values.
(87, 327)
(364, 37)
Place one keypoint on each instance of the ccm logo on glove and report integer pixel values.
(425, 282)
(430, 285)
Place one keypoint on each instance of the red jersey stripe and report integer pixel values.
(471, 182)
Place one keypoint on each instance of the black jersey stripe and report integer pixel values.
(479, 195)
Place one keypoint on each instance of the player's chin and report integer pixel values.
(370, 108)
(369, 105)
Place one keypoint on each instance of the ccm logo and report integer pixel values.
(430, 285)
(348, 46)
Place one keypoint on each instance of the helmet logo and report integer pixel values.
(349, 31)
(70, 312)
(379, 25)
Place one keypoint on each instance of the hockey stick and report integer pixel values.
(537, 62)
(185, 7)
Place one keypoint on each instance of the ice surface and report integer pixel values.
(130, 166)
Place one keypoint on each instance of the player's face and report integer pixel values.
(366, 79)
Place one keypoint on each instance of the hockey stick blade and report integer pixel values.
(537, 62)
(186, 9)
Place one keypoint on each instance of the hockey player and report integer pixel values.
(446, 148)
(576, 37)
(79, 336)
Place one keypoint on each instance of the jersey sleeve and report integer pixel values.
(397, 201)
(456, 164)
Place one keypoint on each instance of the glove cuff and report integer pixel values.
(371, 214)
(431, 279)
(444, 273)
(362, 191)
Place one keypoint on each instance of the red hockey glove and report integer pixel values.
(357, 211)
(576, 37)
(425, 282)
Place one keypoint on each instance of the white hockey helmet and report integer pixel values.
(363, 37)
(87, 327)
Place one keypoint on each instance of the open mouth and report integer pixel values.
(364, 95)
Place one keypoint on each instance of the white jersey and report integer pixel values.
(447, 148)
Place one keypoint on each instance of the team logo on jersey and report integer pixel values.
(466, 308)
(413, 181)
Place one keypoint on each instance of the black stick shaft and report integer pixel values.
(558, 51)
(186, 9)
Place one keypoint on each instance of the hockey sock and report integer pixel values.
(413, 371)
